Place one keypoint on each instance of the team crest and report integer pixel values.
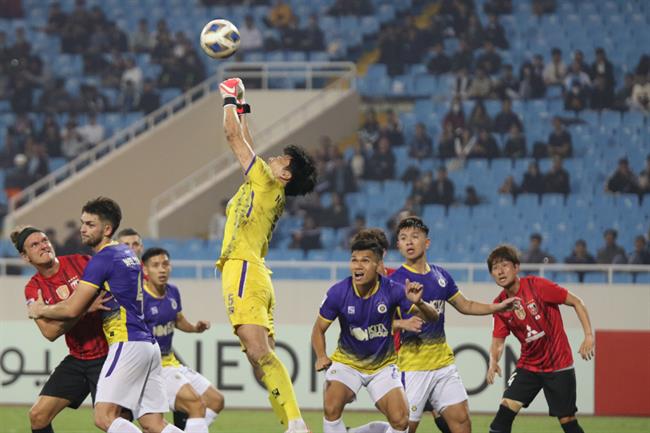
(63, 291)
(519, 311)
(414, 408)
(174, 304)
(532, 307)
(382, 308)
(442, 282)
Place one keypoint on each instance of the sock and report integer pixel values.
(210, 416)
(502, 422)
(46, 429)
(371, 427)
(278, 383)
(170, 428)
(120, 425)
(297, 425)
(572, 427)
(278, 410)
(196, 425)
(180, 418)
(442, 424)
(333, 426)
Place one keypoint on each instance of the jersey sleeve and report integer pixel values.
(177, 295)
(31, 291)
(500, 329)
(329, 308)
(97, 271)
(451, 288)
(259, 173)
(549, 291)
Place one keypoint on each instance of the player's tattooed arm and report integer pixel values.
(496, 350)
(587, 347)
(318, 344)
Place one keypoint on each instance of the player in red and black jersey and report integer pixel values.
(546, 362)
(55, 280)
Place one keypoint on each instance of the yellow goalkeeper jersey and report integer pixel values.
(251, 215)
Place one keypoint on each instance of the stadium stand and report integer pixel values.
(599, 104)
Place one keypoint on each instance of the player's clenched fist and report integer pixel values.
(232, 88)
(322, 363)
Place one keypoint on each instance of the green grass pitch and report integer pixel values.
(13, 419)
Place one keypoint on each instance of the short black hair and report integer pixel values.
(503, 252)
(376, 234)
(106, 209)
(412, 222)
(128, 232)
(536, 236)
(361, 242)
(303, 172)
(153, 252)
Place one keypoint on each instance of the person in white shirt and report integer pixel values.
(251, 36)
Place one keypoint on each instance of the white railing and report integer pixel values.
(264, 71)
(333, 271)
(343, 75)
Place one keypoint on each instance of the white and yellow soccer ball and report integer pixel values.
(220, 39)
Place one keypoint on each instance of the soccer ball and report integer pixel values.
(220, 39)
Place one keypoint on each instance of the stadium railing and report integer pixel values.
(340, 75)
(332, 271)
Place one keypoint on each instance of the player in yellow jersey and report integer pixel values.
(251, 216)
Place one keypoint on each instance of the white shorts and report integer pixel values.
(442, 387)
(377, 384)
(132, 378)
(177, 377)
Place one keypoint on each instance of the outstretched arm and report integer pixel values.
(184, 325)
(587, 347)
(71, 308)
(232, 126)
(474, 308)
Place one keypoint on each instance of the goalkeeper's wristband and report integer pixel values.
(243, 108)
(229, 101)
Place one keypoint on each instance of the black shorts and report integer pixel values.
(73, 379)
(559, 389)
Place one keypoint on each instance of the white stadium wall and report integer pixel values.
(26, 357)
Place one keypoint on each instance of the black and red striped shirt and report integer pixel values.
(86, 339)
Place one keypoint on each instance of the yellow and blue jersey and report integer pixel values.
(160, 313)
(118, 271)
(428, 349)
(366, 341)
(251, 215)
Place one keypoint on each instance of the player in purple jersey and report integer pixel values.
(131, 376)
(187, 390)
(364, 304)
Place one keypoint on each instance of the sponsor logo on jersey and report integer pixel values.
(532, 335)
(154, 310)
(350, 309)
(372, 331)
(63, 291)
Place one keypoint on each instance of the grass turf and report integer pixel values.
(14, 419)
